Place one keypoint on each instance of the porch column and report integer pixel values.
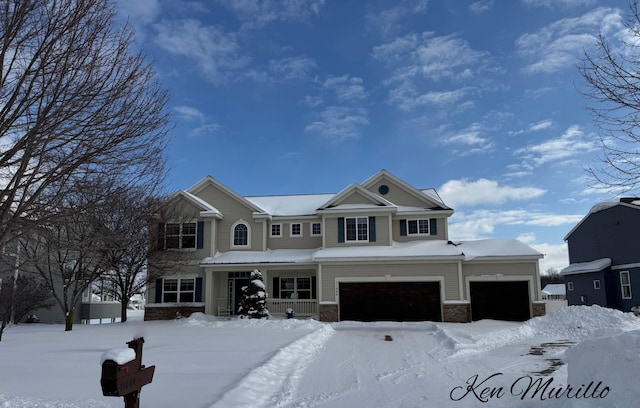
(209, 298)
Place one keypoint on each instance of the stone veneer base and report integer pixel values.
(170, 312)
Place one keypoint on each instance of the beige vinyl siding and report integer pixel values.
(233, 211)
(286, 241)
(357, 198)
(360, 270)
(398, 195)
(331, 231)
(521, 269)
(441, 227)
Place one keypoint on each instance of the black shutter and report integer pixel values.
(200, 235)
(372, 229)
(159, 290)
(403, 228)
(341, 229)
(313, 288)
(161, 236)
(433, 226)
(276, 287)
(198, 294)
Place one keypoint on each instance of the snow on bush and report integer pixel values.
(253, 303)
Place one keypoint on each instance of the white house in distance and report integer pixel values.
(378, 250)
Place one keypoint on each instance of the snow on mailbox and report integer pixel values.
(123, 374)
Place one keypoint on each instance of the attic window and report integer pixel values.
(383, 189)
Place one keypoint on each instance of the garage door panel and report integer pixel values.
(500, 300)
(390, 301)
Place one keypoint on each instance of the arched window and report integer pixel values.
(241, 235)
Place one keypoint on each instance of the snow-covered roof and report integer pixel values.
(489, 248)
(291, 205)
(554, 289)
(434, 249)
(584, 267)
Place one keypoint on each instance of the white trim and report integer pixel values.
(622, 285)
(311, 228)
(233, 229)
(626, 266)
(213, 245)
(291, 234)
(503, 278)
(596, 284)
(271, 230)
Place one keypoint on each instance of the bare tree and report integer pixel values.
(612, 80)
(76, 103)
(20, 296)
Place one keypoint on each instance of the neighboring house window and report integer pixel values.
(240, 234)
(569, 285)
(296, 230)
(357, 229)
(316, 228)
(418, 227)
(625, 284)
(178, 290)
(596, 283)
(276, 230)
(176, 235)
(295, 288)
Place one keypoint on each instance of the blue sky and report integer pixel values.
(476, 99)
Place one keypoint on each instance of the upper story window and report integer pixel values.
(316, 228)
(241, 234)
(296, 230)
(418, 227)
(356, 229)
(276, 230)
(176, 235)
(625, 285)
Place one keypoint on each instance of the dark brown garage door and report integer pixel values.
(384, 301)
(500, 300)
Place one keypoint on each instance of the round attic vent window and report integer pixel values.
(383, 189)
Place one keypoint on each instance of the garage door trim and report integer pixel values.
(502, 278)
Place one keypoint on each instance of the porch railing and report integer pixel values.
(301, 307)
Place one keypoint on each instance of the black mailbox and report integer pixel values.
(127, 378)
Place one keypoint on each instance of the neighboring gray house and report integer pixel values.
(604, 256)
(378, 250)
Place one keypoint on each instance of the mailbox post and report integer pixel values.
(125, 378)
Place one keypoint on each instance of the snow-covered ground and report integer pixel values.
(575, 357)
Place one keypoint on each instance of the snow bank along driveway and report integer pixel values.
(577, 356)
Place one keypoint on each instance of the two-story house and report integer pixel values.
(604, 256)
(378, 250)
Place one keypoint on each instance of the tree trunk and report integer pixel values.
(123, 309)
(2, 326)
(68, 321)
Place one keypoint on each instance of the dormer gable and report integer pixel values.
(356, 198)
(402, 194)
(209, 188)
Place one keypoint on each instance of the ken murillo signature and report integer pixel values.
(526, 387)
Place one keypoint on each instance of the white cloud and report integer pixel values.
(389, 20)
(346, 88)
(482, 191)
(559, 45)
(481, 6)
(216, 54)
(312, 101)
(570, 144)
(556, 256)
(189, 113)
(339, 123)
(558, 3)
(406, 97)
(293, 68)
(258, 13)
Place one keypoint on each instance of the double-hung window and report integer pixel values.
(296, 230)
(418, 227)
(357, 229)
(178, 290)
(316, 228)
(295, 288)
(276, 230)
(180, 235)
(625, 285)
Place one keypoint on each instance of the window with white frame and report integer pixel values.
(316, 228)
(418, 227)
(569, 286)
(179, 235)
(356, 229)
(295, 288)
(178, 290)
(276, 230)
(596, 284)
(241, 234)
(296, 229)
(625, 284)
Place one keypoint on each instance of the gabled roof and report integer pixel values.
(206, 209)
(629, 202)
(429, 195)
(291, 205)
(497, 248)
(200, 185)
(375, 201)
(554, 289)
